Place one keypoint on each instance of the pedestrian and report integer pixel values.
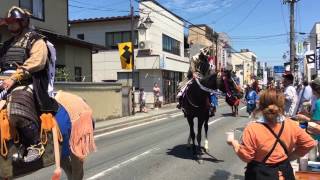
(251, 99)
(290, 94)
(24, 59)
(142, 100)
(271, 141)
(156, 94)
(314, 115)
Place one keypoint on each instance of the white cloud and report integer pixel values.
(198, 5)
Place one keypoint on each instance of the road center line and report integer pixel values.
(212, 122)
(179, 114)
(105, 172)
(123, 129)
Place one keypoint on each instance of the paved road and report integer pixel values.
(157, 151)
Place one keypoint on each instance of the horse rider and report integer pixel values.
(24, 72)
(199, 68)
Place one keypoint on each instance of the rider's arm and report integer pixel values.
(36, 61)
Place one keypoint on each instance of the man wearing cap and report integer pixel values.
(24, 66)
(290, 93)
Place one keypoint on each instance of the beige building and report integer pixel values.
(245, 65)
(201, 35)
(50, 17)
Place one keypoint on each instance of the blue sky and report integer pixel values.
(245, 21)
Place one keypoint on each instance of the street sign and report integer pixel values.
(278, 69)
(318, 58)
(125, 51)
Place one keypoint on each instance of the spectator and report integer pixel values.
(156, 93)
(269, 143)
(315, 114)
(290, 94)
(314, 98)
(142, 100)
(251, 99)
(304, 96)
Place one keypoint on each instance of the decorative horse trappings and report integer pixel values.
(195, 99)
(233, 92)
(67, 135)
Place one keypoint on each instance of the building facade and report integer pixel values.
(201, 35)
(159, 50)
(311, 49)
(245, 65)
(73, 55)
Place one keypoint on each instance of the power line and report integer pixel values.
(230, 12)
(246, 17)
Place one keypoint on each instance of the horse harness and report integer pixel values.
(263, 171)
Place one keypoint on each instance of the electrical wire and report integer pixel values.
(246, 17)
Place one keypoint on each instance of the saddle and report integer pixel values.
(11, 146)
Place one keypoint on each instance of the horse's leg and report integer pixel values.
(192, 134)
(73, 167)
(66, 166)
(206, 142)
(200, 124)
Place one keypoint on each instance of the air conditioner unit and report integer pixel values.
(144, 45)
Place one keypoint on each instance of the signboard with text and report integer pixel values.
(318, 58)
(278, 69)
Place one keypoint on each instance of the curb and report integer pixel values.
(135, 120)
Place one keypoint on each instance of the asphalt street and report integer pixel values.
(157, 151)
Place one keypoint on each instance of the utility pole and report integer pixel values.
(216, 36)
(292, 33)
(132, 58)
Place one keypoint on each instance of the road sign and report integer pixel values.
(278, 69)
(125, 51)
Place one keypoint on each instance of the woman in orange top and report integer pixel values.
(272, 141)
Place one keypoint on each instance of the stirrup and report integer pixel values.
(35, 156)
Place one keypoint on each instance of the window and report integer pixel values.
(80, 36)
(77, 74)
(36, 7)
(170, 45)
(114, 38)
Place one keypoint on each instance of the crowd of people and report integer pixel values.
(285, 126)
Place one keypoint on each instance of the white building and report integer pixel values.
(245, 65)
(159, 51)
(311, 46)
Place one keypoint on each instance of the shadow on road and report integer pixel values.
(181, 151)
(227, 114)
(225, 175)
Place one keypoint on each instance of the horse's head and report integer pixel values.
(226, 80)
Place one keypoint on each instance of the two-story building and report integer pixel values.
(201, 35)
(50, 17)
(245, 65)
(159, 49)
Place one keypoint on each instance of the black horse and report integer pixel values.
(196, 104)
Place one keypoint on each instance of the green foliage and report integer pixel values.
(62, 74)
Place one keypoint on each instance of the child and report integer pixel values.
(251, 99)
(142, 100)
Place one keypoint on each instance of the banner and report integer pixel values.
(318, 58)
(125, 51)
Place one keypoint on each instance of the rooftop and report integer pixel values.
(102, 19)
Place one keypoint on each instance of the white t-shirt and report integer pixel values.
(291, 99)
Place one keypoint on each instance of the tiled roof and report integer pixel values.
(101, 19)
